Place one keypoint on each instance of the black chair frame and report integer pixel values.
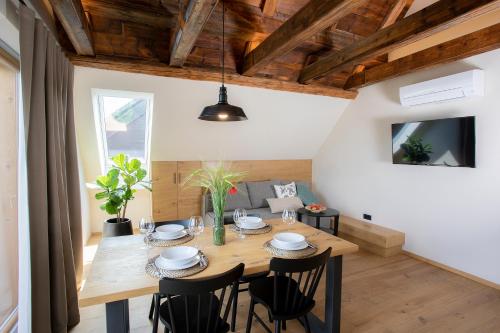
(183, 291)
(285, 297)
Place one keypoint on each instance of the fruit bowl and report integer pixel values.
(315, 208)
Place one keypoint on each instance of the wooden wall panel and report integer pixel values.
(164, 177)
(274, 169)
(189, 197)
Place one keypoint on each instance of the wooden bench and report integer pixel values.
(371, 237)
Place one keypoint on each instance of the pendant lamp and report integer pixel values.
(222, 111)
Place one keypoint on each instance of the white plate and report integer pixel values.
(181, 234)
(160, 263)
(253, 226)
(289, 239)
(289, 247)
(169, 230)
(178, 255)
(253, 219)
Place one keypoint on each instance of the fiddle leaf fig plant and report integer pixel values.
(119, 185)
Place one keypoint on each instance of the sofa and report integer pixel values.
(251, 196)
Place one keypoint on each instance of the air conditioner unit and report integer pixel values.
(461, 85)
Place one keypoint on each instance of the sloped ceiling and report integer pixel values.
(281, 125)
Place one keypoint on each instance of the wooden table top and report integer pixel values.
(118, 273)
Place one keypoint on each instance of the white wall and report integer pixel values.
(281, 125)
(450, 215)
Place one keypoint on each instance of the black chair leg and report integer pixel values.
(156, 315)
(235, 310)
(306, 322)
(277, 326)
(250, 316)
(283, 325)
(152, 308)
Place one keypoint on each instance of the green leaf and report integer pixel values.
(128, 195)
(111, 208)
(103, 181)
(113, 173)
(119, 160)
(133, 165)
(115, 199)
(113, 184)
(140, 174)
(129, 180)
(101, 195)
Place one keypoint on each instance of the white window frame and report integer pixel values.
(97, 105)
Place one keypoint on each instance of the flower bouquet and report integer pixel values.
(219, 181)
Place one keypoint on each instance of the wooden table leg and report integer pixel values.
(332, 301)
(117, 317)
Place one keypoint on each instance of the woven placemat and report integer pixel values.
(167, 242)
(156, 272)
(290, 254)
(264, 230)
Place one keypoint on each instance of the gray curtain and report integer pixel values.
(53, 182)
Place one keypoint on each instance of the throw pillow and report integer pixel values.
(278, 205)
(306, 195)
(286, 191)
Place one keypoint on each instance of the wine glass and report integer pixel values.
(196, 227)
(239, 217)
(147, 226)
(289, 216)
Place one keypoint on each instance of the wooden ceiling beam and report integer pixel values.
(269, 7)
(162, 19)
(481, 41)
(202, 74)
(430, 20)
(74, 22)
(394, 13)
(314, 17)
(195, 17)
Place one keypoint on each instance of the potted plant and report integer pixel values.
(220, 182)
(118, 187)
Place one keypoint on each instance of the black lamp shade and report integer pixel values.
(222, 111)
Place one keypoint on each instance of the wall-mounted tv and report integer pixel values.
(444, 142)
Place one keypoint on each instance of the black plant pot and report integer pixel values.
(111, 228)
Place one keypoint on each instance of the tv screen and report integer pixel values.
(443, 142)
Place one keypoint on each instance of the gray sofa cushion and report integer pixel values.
(238, 200)
(260, 191)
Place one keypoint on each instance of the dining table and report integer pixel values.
(118, 269)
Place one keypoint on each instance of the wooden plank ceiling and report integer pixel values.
(269, 43)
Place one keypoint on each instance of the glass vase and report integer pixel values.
(219, 234)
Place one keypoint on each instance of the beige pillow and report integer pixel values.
(278, 205)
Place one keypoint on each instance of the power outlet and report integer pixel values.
(367, 217)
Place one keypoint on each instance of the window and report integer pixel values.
(123, 123)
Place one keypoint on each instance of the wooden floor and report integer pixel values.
(397, 294)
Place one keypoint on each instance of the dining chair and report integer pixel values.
(289, 292)
(184, 223)
(194, 306)
(243, 280)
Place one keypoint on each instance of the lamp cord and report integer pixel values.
(223, 43)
